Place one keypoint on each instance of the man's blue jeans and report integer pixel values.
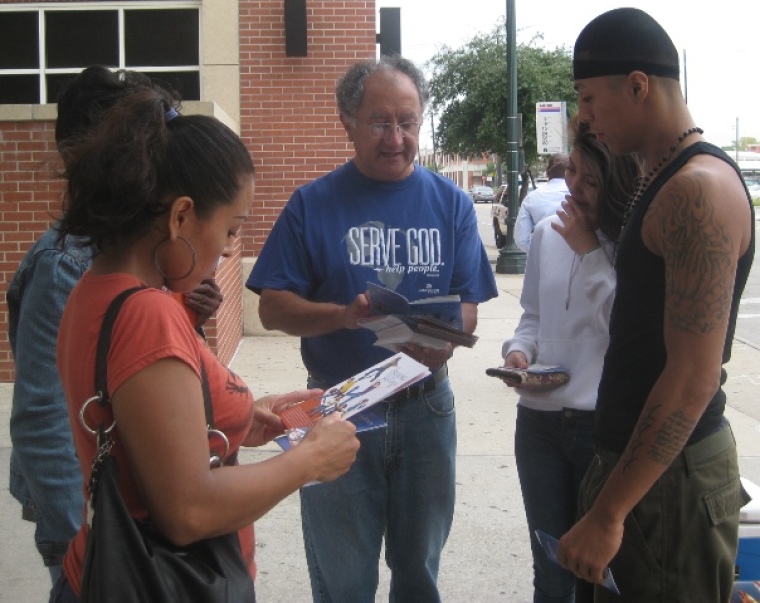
(401, 487)
(553, 450)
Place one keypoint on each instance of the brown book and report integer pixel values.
(536, 376)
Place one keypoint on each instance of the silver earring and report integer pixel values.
(161, 271)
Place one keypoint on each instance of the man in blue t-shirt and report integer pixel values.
(379, 218)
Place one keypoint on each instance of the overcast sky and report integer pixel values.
(720, 40)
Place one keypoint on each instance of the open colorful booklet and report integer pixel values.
(432, 322)
(355, 398)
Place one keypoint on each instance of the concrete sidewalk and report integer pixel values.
(487, 557)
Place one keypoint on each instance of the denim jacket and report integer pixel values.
(44, 472)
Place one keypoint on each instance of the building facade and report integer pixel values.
(228, 58)
(466, 172)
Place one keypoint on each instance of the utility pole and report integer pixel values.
(511, 259)
(736, 144)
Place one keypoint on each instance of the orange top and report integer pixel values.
(191, 314)
(150, 326)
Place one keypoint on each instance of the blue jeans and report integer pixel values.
(401, 487)
(62, 591)
(553, 450)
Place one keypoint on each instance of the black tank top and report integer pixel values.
(636, 354)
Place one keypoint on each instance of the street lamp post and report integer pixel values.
(511, 259)
(736, 142)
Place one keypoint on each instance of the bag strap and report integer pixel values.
(105, 442)
(104, 343)
(206, 388)
(104, 346)
(101, 373)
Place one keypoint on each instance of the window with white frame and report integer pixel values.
(43, 45)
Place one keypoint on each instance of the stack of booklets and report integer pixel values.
(536, 376)
(432, 322)
(356, 398)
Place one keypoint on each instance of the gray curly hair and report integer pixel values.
(349, 91)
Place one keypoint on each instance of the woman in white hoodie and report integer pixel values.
(567, 296)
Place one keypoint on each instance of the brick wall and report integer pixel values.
(224, 331)
(30, 200)
(288, 121)
(29, 196)
(288, 116)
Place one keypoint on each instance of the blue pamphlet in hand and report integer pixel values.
(551, 548)
(431, 322)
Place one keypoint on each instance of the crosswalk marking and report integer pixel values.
(746, 301)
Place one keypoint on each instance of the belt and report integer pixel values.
(422, 387)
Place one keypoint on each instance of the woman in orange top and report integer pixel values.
(161, 197)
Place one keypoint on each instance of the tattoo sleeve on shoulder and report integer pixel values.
(697, 251)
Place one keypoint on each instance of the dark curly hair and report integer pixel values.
(84, 99)
(128, 169)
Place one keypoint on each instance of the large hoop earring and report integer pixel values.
(158, 265)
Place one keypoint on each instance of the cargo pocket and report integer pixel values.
(726, 502)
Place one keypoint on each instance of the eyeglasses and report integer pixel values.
(407, 128)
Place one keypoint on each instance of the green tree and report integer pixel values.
(744, 142)
(469, 93)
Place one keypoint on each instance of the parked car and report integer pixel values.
(481, 194)
(499, 214)
(753, 185)
(501, 193)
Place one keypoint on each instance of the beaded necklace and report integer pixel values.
(644, 181)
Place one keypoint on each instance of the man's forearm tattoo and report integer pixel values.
(669, 440)
(637, 440)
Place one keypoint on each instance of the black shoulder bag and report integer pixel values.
(127, 561)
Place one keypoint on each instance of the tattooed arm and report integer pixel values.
(699, 224)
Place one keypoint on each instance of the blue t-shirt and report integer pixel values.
(418, 237)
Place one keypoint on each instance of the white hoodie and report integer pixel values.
(566, 302)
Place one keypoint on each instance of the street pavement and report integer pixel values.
(487, 558)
